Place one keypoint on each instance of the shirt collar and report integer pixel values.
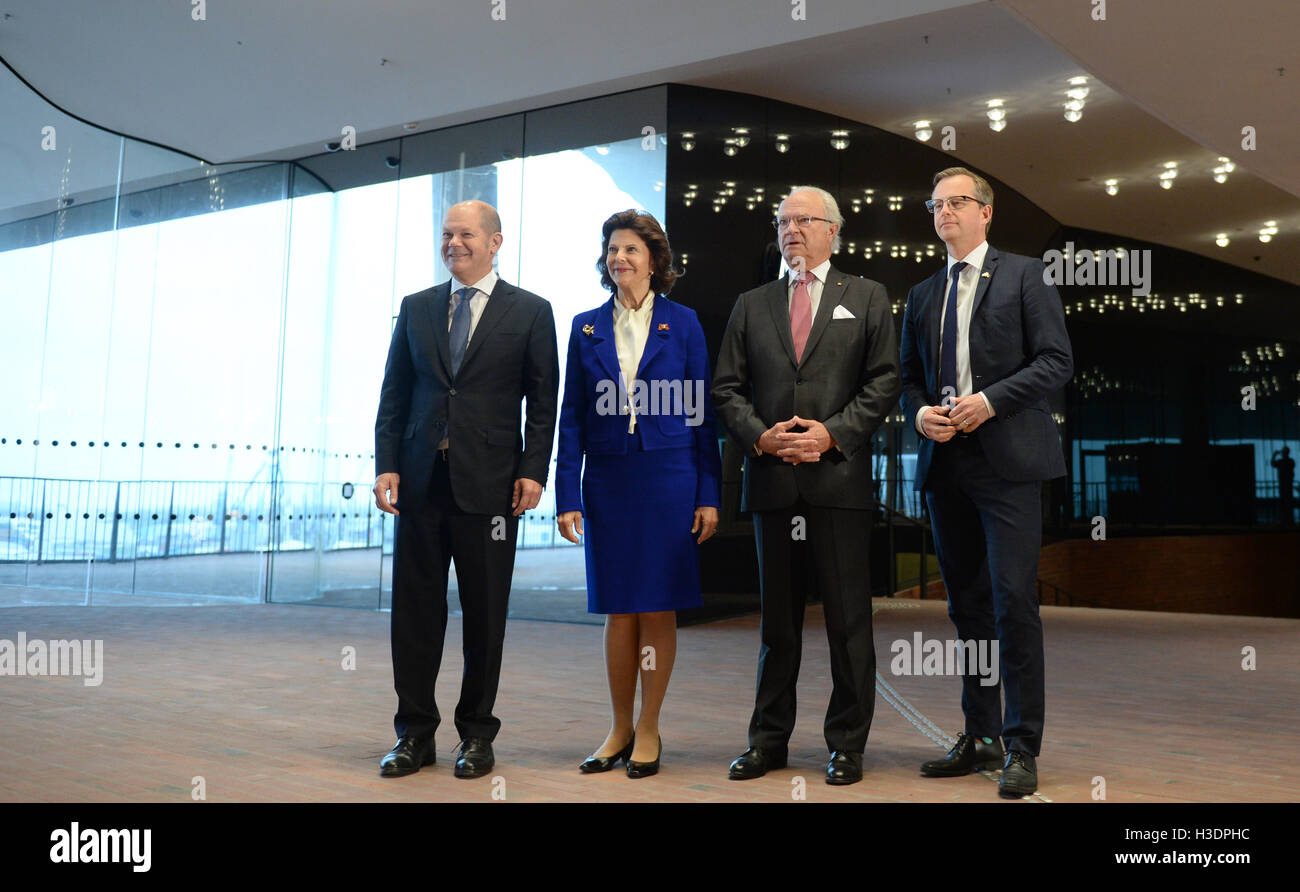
(485, 284)
(818, 272)
(974, 259)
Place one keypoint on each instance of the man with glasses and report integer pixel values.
(807, 371)
(983, 346)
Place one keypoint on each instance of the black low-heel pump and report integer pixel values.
(597, 764)
(644, 769)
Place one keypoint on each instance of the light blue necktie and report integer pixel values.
(459, 336)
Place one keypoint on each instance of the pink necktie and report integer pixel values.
(800, 316)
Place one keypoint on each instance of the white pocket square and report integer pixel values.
(841, 312)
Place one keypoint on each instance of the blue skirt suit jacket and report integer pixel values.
(638, 492)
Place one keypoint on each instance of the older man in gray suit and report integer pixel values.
(807, 372)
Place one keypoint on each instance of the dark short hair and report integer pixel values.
(643, 223)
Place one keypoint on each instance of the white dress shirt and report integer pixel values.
(814, 287)
(631, 328)
(477, 302)
(967, 283)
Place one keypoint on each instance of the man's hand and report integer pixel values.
(385, 484)
(968, 413)
(770, 442)
(798, 446)
(814, 440)
(527, 494)
(706, 522)
(570, 521)
(936, 424)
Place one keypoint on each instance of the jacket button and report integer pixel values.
(798, 380)
(452, 392)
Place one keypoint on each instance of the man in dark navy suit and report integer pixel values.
(464, 355)
(983, 346)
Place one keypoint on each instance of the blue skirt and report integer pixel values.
(637, 513)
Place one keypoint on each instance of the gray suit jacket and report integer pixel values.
(848, 379)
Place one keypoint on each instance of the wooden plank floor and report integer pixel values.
(254, 700)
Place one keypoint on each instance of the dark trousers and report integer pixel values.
(987, 535)
(426, 541)
(829, 558)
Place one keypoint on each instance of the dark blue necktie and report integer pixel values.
(459, 337)
(948, 350)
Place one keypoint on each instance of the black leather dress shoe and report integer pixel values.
(475, 758)
(407, 757)
(756, 762)
(967, 755)
(844, 768)
(597, 764)
(645, 769)
(1019, 775)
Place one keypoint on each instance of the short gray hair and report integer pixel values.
(832, 210)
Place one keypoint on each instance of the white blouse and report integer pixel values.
(631, 328)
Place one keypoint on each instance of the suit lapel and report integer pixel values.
(602, 340)
(832, 294)
(656, 339)
(934, 313)
(986, 276)
(778, 303)
(438, 308)
(498, 304)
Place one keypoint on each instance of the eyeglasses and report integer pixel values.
(957, 202)
(803, 222)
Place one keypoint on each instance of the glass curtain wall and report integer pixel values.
(195, 351)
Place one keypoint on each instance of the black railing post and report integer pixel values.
(925, 576)
(225, 497)
(40, 533)
(117, 514)
(171, 503)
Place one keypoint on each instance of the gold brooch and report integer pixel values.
(589, 330)
(663, 326)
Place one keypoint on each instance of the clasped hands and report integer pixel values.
(961, 416)
(796, 446)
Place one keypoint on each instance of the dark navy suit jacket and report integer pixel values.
(675, 351)
(511, 358)
(1019, 354)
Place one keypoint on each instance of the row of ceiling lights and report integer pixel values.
(1148, 302)
(996, 111)
(740, 138)
(895, 202)
(1169, 173)
(758, 196)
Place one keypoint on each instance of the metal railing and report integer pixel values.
(45, 520)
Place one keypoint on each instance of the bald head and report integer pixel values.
(489, 219)
(471, 237)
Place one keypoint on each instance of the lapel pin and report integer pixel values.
(837, 284)
(986, 275)
(663, 326)
(588, 330)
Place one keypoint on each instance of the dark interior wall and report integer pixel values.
(734, 249)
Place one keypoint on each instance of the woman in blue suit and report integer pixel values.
(637, 408)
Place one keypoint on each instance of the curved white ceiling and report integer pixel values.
(1169, 81)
